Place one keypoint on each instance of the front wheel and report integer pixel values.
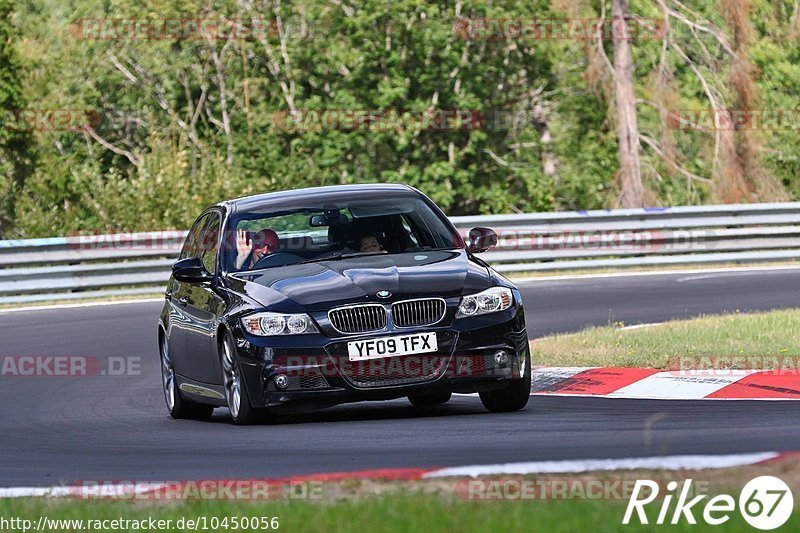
(512, 398)
(236, 394)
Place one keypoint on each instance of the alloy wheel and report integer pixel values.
(233, 391)
(167, 374)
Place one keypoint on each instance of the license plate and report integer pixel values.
(392, 346)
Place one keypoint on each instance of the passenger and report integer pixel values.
(261, 244)
(369, 243)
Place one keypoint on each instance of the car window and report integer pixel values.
(208, 244)
(411, 234)
(328, 229)
(190, 244)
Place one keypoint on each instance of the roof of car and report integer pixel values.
(333, 192)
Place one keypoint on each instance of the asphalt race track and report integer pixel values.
(56, 430)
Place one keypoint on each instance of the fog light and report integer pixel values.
(281, 381)
(501, 357)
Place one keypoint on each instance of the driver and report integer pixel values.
(251, 248)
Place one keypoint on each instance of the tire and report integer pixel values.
(512, 398)
(429, 399)
(177, 405)
(236, 395)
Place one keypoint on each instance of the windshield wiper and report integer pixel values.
(440, 249)
(359, 254)
(339, 256)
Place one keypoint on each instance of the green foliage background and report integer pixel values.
(170, 160)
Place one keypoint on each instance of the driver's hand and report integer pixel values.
(242, 248)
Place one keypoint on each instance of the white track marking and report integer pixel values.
(573, 395)
(567, 277)
(721, 275)
(78, 305)
(544, 378)
(24, 492)
(562, 372)
(689, 385)
(111, 490)
(640, 326)
(668, 462)
(673, 462)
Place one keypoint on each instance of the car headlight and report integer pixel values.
(489, 301)
(264, 324)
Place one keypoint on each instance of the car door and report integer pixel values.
(204, 307)
(179, 292)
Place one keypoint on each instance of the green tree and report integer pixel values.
(188, 121)
(15, 143)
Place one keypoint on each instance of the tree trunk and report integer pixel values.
(630, 177)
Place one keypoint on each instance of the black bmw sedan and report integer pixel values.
(315, 297)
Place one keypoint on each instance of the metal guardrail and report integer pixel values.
(66, 268)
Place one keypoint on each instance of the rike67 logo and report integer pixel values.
(765, 503)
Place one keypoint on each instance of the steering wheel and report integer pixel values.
(331, 254)
(277, 259)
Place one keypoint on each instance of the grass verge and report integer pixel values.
(760, 335)
(593, 501)
(402, 510)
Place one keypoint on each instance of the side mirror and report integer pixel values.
(481, 239)
(191, 270)
(317, 220)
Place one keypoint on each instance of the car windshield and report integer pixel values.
(334, 231)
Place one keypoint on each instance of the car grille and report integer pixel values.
(395, 370)
(313, 380)
(358, 318)
(471, 365)
(418, 312)
(304, 380)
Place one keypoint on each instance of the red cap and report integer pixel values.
(266, 238)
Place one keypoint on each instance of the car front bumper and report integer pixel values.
(318, 373)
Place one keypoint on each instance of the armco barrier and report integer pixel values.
(139, 263)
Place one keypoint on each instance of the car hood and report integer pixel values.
(321, 285)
